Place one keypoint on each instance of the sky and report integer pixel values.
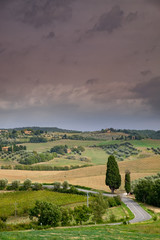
(80, 64)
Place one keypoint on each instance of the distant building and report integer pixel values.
(27, 132)
(69, 150)
(5, 149)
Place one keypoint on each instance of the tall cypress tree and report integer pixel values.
(113, 177)
(127, 185)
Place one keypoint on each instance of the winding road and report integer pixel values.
(139, 213)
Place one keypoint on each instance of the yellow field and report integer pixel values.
(93, 177)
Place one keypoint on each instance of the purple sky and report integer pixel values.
(80, 64)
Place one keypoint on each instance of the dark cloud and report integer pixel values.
(110, 21)
(149, 91)
(2, 50)
(91, 81)
(43, 12)
(50, 35)
(145, 72)
(131, 16)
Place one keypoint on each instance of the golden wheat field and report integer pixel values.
(93, 177)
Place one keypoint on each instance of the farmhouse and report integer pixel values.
(27, 132)
(5, 149)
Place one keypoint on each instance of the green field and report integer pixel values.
(42, 147)
(130, 232)
(97, 155)
(26, 199)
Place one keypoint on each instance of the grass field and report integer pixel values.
(129, 232)
(25, 200)
(41, 147)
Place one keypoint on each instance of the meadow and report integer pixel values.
(130, 232)
(23, 200)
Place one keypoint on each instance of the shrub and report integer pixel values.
(37, 186)
(57, 186)
(67, 215)
(15, 185)
(47, 213)
(3, 183)
(65, 185)
(27, 184)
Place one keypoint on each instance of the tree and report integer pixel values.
(127, 185)
(113, 177)
(27, 184)
(66, 216)
(15, 185)
(65, 185)
(81, 214)
(98, 205)
(3, 184)
(47, 213)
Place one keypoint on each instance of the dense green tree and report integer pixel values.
(27, 184)
(127, 185)
(113, 177)
(15, 185)
(3, 183)
(67, 215)
(81, 214)
(47, 213)
(98, 205)
(65, 185)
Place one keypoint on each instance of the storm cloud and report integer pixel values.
(86, 64)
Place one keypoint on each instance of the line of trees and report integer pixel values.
(147, 190)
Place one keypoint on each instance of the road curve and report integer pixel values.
(139, 213)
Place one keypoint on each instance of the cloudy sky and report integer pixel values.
(80, 64)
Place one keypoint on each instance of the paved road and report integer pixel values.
(139, 213)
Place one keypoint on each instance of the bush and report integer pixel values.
(65, 185)
(3, 184)
(57, 186)
(15, 185)
(37, 186)
(47, 213)
(27, 184)
(66, 216)
(81, 214)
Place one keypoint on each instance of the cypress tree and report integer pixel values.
(127, 185)
(113, 177)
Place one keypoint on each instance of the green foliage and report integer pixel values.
(34, 157)
(60, 149)
(37, 186)
(15, 185)
(67, 216)
(127, 181)
(81, 214)
(57, 186)
(27, 184)
(47, 213)
(113, 177)
(147, 190)
(38, 140)
(120, 151)
(3, 184)
(99, 204)
(65, 185)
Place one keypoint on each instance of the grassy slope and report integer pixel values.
(130, 232)
(26, 200)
